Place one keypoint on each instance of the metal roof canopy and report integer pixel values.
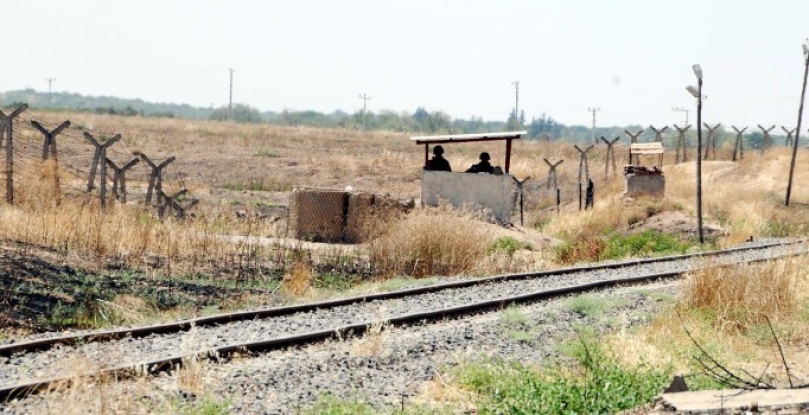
(465, 138)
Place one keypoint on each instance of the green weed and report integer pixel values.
(508, 245)
(640, 244)
(594, 385)
(514, 316)
(205, 406)
(331, 405)
(255, 185)
(401, 283)
(266, 153)
(591, 305)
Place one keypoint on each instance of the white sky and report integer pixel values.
(630, 58)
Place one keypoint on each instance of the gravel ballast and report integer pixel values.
(35, 366)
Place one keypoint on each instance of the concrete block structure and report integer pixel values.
(644, 183)
(327, 215)
(479, 191)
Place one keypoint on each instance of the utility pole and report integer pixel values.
(364, 99)
(697, 93)
(516, 104)
(681, 109)
(230, 102)
(798, 128)
(594, 110)
(50, 82)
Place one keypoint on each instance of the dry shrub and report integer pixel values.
(426, 242)
(84, 391)
(372, 343)
(190, 377)
(127, 310)
(741, 297)
(298, 280)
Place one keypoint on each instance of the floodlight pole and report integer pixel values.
(699, 157)
(798, 130)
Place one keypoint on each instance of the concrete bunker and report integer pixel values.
(493, 193)
(331, 215)
(643, 180)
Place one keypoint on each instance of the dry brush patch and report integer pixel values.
(724, 309)
(427, 242)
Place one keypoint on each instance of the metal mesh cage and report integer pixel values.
(325, 215)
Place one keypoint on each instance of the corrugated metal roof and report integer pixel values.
(469, 137)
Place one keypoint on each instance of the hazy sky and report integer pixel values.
(630, 58)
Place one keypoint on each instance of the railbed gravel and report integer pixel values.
(382, 367)
(55, 361)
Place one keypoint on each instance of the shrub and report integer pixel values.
(508, 245)
(426, 242)
(579, 250)
(644, 243)
(740, 297)
(595, 385)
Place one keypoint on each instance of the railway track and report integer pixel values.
(26, 367)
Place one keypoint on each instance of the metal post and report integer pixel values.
(738, 147)
(100, 157)
(8, 121)
(610, 157)
(681, 144)
(766, 142)
(633, 138)
(710, 145)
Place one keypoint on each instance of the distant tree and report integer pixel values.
(438, 121)
(545, 124)
(755, 139)
(241, 113)
(420, 115)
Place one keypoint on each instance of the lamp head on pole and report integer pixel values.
(806, 48)
(693, 91)
(697, 71)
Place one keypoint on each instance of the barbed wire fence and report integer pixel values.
(98, 164)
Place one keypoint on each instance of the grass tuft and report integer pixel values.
(594, 384)
(740, 297)
(427, 242)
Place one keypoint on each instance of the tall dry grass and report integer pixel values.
(740, 297)
(744, 198)
(127, 234)
(724, 309)
(426, 242)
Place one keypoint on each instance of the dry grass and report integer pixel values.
(428, 242)
(743, 197)
(372, 344)
(298, 280)
(740, 297)
(127, 310)
(724, 310)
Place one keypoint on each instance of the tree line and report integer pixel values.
(420, 122)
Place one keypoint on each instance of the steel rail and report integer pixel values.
(170, 363)
(185, 325)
